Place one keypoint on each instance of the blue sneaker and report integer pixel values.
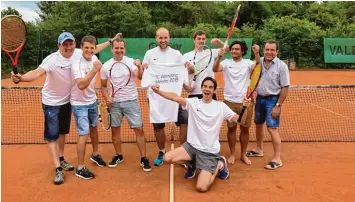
(224, 173)
(190, 173)
(159, 160)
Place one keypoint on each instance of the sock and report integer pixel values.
(61, 158)
(162, 150)
(119, 156)
(59, 169)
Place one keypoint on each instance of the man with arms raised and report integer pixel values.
(271, 94)
(236, 73)
(206, 117)
(56, 97)
(124, 103)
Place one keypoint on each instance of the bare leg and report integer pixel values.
(183, 133)
(116, 139)
(61, 143)
(206, 179)
(53, 151)
(81, 147)
(232, 138)
(276, 142)
(177, 155)
(94, 140)
(140, 141)
(160, 138)
(244, 140)
(259, 138)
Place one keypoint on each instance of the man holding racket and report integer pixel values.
(165, 55)
(271, 93)
(236, 73)
(122, 100)
(206, 117)
(84, 105)
(206, 70)
(56, 97)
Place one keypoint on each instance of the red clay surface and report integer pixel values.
(311, 172)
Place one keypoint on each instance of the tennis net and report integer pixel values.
(310, 113)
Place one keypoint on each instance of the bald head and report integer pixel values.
(162, 37)
(162, 31)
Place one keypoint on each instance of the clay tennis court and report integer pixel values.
(313, 171)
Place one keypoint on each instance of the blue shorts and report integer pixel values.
(56, 121)
(130, 109)
(263, 109)
(86, 116)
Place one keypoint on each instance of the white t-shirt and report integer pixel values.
(129, 92)
(236, 79)
(80, 69)
(57, 87)
(170, 78)
(205, 121)
(208, 72)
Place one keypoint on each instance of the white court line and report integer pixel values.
(171, 190)
(328, 110)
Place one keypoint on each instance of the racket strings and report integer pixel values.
(13, 33)
(120, 76)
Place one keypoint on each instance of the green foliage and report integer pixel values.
(299, 26)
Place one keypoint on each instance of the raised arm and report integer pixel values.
(217, 67)
(168, 95)
(139, 71)
(256, 50)
(104, 45)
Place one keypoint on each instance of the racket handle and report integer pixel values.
(14, 69)
(241, 114)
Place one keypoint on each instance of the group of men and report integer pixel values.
(69, 87)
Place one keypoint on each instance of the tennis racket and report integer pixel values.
(202, 59)
(253, 84)
(13, 38)
(231, 28)
(120, 76)
(104, 115)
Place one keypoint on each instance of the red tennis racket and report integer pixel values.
(231, 28)
(13, 38)
(120, 76)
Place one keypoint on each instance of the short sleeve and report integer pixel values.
(224, 63)
(49, 62)
(284, 75)
(104, 70)
(76, 69)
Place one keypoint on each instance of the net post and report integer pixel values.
(171, 183)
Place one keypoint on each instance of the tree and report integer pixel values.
(10, 11)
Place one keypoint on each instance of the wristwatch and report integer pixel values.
(278, 105)
(110, 41)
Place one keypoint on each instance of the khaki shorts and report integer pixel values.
(237, 108)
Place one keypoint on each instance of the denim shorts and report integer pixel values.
(130, 109)
(56, 121)
(263, 109)
(86, 116)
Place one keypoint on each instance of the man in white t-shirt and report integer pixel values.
(165, 56)
(206, 117)
(84, 105)
(200, 39)
(236, 74)
(124, 103)
(56, 97)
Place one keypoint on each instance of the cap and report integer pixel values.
(65, 36)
